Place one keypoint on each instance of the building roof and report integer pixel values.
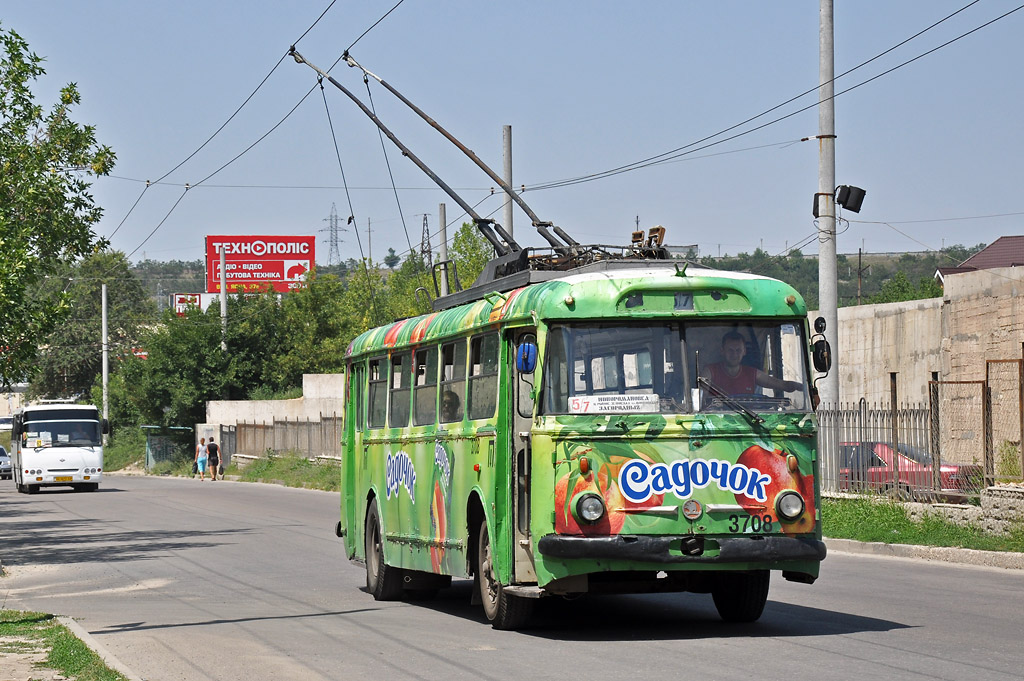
(1006, 251)
(943, 272)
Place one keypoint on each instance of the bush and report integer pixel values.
(1008, 461)
(126, 446)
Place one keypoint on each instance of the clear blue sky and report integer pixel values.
(586, 86)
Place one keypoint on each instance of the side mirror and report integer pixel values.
(106, 427)
(526, 357)
(819, 325)
(821, 353)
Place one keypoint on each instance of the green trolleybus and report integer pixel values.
(624, 426)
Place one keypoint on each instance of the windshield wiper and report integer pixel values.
(722, 395)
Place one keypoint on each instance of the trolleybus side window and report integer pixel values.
(453, 381)
(483, 376)
(378, 392)
(400, 390)
(425, 392)
(357, 388)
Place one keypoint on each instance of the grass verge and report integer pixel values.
(291, 470)
(34, 632)
(871, 519)
(126, 446)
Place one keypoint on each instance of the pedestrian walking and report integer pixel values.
(202, 457)
(213, 454)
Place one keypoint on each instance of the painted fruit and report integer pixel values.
(776, 464)
(439, 520)
(565, 522)
(617, 462)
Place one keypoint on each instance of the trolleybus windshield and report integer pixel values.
(653, 368)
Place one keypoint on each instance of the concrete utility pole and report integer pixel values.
(507, 139)
(106, 350)
(223, 299)
(369, 243)
(443, 253)
(827, 282)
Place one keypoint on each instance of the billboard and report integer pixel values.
(182, 301)
(259, 263)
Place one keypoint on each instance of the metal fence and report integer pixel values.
(308, 437)
(880, 450)
(166, 444)
(974, 429)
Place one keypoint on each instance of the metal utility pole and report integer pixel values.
(333, 255)
(223, 299)
(507, 139)
(827, 277)
(106, 350)
(426, 250)
(443, 250)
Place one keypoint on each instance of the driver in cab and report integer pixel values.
(735, 378)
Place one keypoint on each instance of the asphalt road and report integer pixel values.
(182, 579)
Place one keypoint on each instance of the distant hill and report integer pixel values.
(161, 279)
(872, 271)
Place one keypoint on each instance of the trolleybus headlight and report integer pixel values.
(589, 507)
(789, 505)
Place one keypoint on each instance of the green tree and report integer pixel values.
(46, 210)
(316, 331)
(184, 369)
(470, 251)
(392, 259)
(71, 356)
(900, 288)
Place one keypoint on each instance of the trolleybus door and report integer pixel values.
(521, 422)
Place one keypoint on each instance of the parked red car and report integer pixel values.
(872, 466)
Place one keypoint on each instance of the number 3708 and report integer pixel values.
(750, 523)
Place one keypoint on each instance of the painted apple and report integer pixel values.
(565, 522)
(616, 463)
(785, 474)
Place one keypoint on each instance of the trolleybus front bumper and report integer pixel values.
(684, 548)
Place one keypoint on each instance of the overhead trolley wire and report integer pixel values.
(384, 149)
(363, 34)
(348, 197)
(673, 153)
(217, 132)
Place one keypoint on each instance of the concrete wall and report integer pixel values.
(875, 340)
(983, 319)
(321, 394)
(980, 317)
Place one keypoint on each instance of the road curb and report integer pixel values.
(1000, 559)
(107, 657)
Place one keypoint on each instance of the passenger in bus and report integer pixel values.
(735, 378)
(450, 407)
(78, 434)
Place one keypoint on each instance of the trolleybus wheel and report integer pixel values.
(504, 610)
(740, 596)
(382, 580)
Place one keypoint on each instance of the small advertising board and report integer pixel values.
(182, 301)
(259, 263)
